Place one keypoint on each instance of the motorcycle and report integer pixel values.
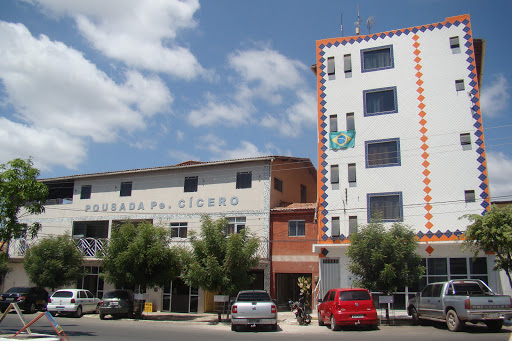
(298, 309)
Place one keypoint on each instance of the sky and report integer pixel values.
(90, 86)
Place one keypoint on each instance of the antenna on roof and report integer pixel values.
(370, 22)
(358, 22)
(341, 21)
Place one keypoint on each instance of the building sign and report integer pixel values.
(154, 205)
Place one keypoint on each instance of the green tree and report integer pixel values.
(140, 255)
(492, 233)
(384, 260)
(54, 262)
(4, 269)
(19, 189)
(220, 262)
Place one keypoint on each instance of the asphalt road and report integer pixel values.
(91, 327)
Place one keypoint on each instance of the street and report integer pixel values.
(91, 327)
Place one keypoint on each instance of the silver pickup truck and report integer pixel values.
(459, 301)
(253, 308)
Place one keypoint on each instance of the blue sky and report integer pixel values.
(94, 86)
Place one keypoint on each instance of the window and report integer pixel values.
(352, 224)
(296, 228)
(278, 184)
(350, 121)
(303, 194)
(190, 184)
(455, 45)
(330, 66)
(335, 227)
(347, 63)
(85, 192)
(382, 153)
(235, 225)
(333, 123)
(351, 172)
(179, 230)
(335, 174)
(378, 58)
(126, 189)
(465, 139)
(380, 101)
(385, 206)
(459, 84)
(469, 196)
(244, 180)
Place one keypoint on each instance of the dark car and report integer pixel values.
(347, 307)
(28, 299)
(120, 303)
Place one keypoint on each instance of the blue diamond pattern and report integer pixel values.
(468, 44)
(342, 238)
(324, 188)
(485, 204)
(431, 27)
(471, 67)
(415, 30)
(465, 22)
(324, 237)
(423, 28)
(322, 74)
(329, 45)
(420, 234)
(429, 234)
(406, 31)
(440, 26)
(480, 150)
(448, 24)
(470, 60)
(483, 186)
(457, 233)
(482, 177)
(367, 38)
(475, 107)
(321, 47)
(456, 23)
(480, 159)
(323, 80)
(448, 233)
(469, 52)
(325, 229)
(481, 168)
(324, 196)
(375, 37)
(323, 103)
(324, 140)
(479, 142)
(323, 125)
(324, 171)
(478, 133)
(477, 125)
(359, 39)
(439, 234)
(325, 221)
(324, 164)
(351, 41)
(474, 91)
(337, 43)
(472, 75)
(472, 83)
(323, 95)
(484, 195)
(322, 60)
(344, 42)
(399, 33)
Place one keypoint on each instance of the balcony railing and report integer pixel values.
(91, 247)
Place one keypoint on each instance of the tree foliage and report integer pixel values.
(19, 189)
(220, 263)
(4, 268)
(492, 233)
(54, 262)
(384, 260)
(140, 255)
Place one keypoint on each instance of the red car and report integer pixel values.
(347, 307)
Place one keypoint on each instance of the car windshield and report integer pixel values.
(354, 295)
(253, 297)
(18, 290)
(63, 294)
(116, 294)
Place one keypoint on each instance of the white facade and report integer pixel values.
(87, 206)
(412, 99)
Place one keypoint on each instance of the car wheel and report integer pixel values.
(452, 321)
(79, 312)
(274, 327)
(102, 316)
(320, 321)
(234, 328)
(494, 326)
(31, 308)
(334, 326)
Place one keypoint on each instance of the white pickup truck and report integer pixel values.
(253, 308)
(459, 301)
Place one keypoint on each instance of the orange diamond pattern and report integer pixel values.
(429, 249)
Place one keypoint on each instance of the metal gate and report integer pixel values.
(330, 275)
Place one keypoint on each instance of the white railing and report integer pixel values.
(262, 251)
(18, 247)
(91, 247)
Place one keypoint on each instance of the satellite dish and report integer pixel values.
(370, 22)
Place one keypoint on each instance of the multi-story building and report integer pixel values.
(244, 191)
(401, 137)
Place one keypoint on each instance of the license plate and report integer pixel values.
(60, 307)
(357, 316)
(114, 303)
(10, 299)
(491, 316)
(254, 320)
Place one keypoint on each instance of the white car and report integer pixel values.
(75, 302)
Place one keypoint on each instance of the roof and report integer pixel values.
(186, 164)
(295, 207)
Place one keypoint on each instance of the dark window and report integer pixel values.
(380, 101)
(179, 230)
(427, 292)
(126, 189)
(385, 206)
(469, 195)
(378, 58)
(351, 172)
(63, 294)
(278, 184)
(335, 232)
(335, 174)
(352, 224)
(253, 297)
(330, 66)
(303, 194)
(82, 294)
(478, 266)
(436, 290)
(332, 295)
(333, 123)
(350, 121)
(244, 180)
(191, 184)
(356, 295)
(296, 228)
(465, 139)
(458, 266)
(454, 43)
(90, 229)
(85, 192)
(437, 266)
(382, 153)
(347, 61)
(459, 84)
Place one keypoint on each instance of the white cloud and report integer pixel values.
(54, 88)
(141, 34)
(181, 156)
(245, 150)
(216, 111)
(499, 166)
(495, 96)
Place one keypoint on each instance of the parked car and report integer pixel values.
(347, 307)
(459, 301)
(120, 303)
(28, 299)
(74, 302)
(253, 308)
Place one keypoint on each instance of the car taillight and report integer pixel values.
(234, 309)
(22, 298)
(127, 302)
(101, 302)
(273, 309)
(72, 300)
(50, 300)
(467, 304)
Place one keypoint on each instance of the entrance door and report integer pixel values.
(180, 298)
(287, 288)
(330, 275)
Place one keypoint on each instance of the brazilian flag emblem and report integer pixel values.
(342, 139)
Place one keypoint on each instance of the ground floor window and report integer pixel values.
(92, 281)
